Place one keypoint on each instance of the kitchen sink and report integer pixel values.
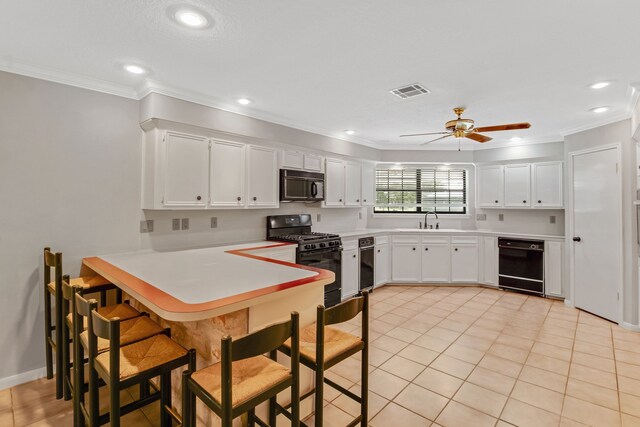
(441, 230)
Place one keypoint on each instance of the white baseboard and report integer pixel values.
(569, 303)
(22, 378)
(630, 326)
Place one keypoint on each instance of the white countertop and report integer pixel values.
(379, 231)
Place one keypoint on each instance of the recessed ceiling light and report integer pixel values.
(191, 18)
(135, 69)
(516, 139)
(600, 110)
(600, 85)
(350, 132)
(244, 101)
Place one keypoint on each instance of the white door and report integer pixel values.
(436, 263)
(227, 174)
(597, 272)
(353, 181)
(262, 177)
(368, 196)
(464, 263)
(334, 183)
(517, 186)
(405, 262)
(350, 272)
(382, 264)
(491, 186)
(547, 185)
(187, 170)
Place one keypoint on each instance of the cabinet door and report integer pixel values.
(547, 185)
(382, 264)
(227, 174)
(464, 263)
(353, 182)
(349, 273)
(262, 173)
(187, 170)
(517, 186)
(490, 260)
(313, 162)
(436, 263)
(368, 196)
(491, 186)
(553, 260)
(334, 182)
(292, 159)
(405, 262)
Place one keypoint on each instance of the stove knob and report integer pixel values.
(307, 246)
(322, 245)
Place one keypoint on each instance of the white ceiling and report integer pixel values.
(327, 66)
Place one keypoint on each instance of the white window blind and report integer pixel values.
(416, 190)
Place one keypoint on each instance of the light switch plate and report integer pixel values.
(481, 217)
(500, 217)
(175, 224)
(552, 219)
(185, 223)
(318, 217)
(146, 226)
(214, 222)
(359, 215)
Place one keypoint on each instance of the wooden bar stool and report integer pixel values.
(319, 342)
(131, 330)
(53, 329)
(121, 367)
(244, 378)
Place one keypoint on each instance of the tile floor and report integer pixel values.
(454, 356)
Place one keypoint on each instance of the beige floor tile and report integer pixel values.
(350, 406)
(507, 352)
(476, 343)
(32, 392)
(378, 325)
(503, 424)
(443, 333)
(385, 384)
(377, 357)
(542, 378)
(464, 353)
(332, 416)
(539, 397)
(555, 340)
(394, 414)
(452, 366)
(515, 341)
(454, 325)
(552, 351)
(524, 415)
(630, 404)
(403, 368)
(484, 333)
(418, 326)
(418, 354)
(40, 409)
(439, 382)
(594, 339)
(627, 357)
(629, 385)
(601, 363)
(595, 349)
(568, 422)
(548, 363)
(403, 334)
(627, 346)
(421, 401)
(456, 414)
(392, 319)
(628, 370)
(593, 393)
(492, 380)
(594, 376)
(590, 414)
(387, 343)
(482, 399)
(432, 343)
(630, 421)
(349, 368)
(500, 365)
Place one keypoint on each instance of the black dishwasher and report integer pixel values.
(521, 265)
(367, 263)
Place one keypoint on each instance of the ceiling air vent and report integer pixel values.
(410, 91)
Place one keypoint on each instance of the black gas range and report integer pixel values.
(319, 250)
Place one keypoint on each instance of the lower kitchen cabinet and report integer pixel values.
(553, 260)
(406, 262)
(382, 265)
(436, 262)
(350, 272)
(489, 260)
(464, 263)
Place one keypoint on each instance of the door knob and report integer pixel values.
(198, 198)
(255, 198)
(239, 198)
(577, 239)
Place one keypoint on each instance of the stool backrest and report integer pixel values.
(346, 310)
(52, 261)
(109, 329)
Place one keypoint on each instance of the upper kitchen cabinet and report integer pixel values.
(312, 162)
(227, 174)
(491, 186)
(368, 195)
(353, 184)
(334, 182)
(517, 186)
(262, 173)
(292, 159)
(547, 185)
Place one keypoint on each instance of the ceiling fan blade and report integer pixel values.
(478, 137)
(512, 126)
(430, 133)
(437, 139)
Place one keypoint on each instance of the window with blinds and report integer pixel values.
(419, 190)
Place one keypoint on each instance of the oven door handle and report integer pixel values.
(324, 251)
(521, 249)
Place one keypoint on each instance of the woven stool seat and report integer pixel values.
(85, 282)
(336, 342)
(121, 311)
(131, 330)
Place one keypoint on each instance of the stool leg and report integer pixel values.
(78, 385)
(47, 333)
(66, 361)
(114, 404)
(59, 345)
(186, 400)
(272, 411)
(165, 399)
(251, 418)
(319, 394)
(364, 387)
(94, 398)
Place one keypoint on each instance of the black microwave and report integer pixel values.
(300, 186)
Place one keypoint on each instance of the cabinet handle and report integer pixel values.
(354, 255)
(255, 198)
(239, 198)
(358, 200)
(497, 201)
(414, 249)
(198, 198)
(378, 250)
(524, 201)
(539, 201)
(426, 249)
(456, 249)
(365, 200)
(340, 200)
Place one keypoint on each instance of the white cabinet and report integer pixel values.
(517, 185)
(368, 194)
(312, 162)
(553, 260)
(353, 183)
(186, 170)
(405, 259)
(292, 159)
(334, 182)
(547, 185)
(489, 260)
(436, 262)
(382, 264)
(464, 259)
(491, 186)
(227, 174)
(262, 177)
(350, 270)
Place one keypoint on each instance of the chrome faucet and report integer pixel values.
(426, 220)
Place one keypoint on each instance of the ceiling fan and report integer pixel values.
(465, 128)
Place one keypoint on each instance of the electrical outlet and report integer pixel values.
(318, 217)
(552, 219)
(185, 223)
(500, 217)
(481, 217)
(146, 226)
(359, 215)
(214, 222)
(175, 224)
